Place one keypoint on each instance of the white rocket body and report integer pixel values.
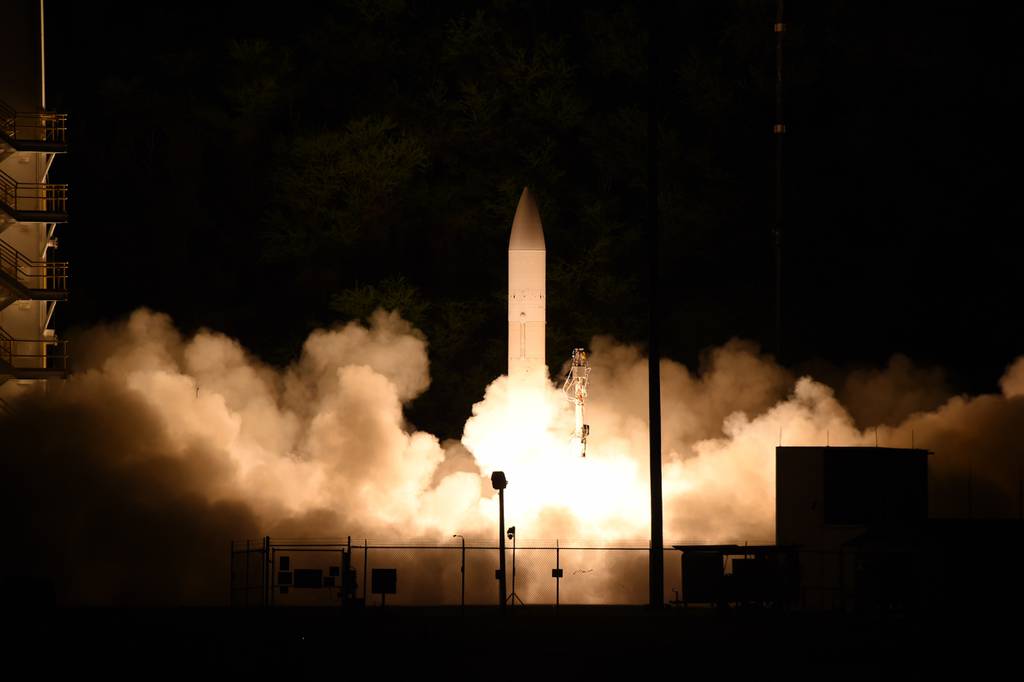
(526, 295)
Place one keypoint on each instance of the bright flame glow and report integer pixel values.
(526, 432)
(322, 448)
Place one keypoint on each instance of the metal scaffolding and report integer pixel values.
(31, 207)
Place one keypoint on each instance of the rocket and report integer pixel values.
(526, 294)
(527, 365)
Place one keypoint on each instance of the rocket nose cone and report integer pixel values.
(527, 232)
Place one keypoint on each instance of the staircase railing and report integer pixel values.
(33, 196)
(41, 126)
(49, 354)
(33, 274)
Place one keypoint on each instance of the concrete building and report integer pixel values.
(853, 532)
(32, 281)
(827, 498)
(857, 521)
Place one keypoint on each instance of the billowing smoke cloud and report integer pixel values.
(888, 396)
(1012, 382)
(126, 483)
(141, 468)
(100, 498)
(325, 439)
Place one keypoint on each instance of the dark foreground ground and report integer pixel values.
(522, 643)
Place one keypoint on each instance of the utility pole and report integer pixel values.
(657, 559)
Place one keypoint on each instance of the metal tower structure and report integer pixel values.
(31, 207)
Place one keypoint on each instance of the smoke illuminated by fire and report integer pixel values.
(321, 448)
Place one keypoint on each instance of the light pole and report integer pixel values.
(462, 601)
(499, 482)
(512, 536)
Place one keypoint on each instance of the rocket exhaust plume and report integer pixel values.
(170, 442)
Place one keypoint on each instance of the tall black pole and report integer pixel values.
(501, 542)
(656, 564)
(780, 131)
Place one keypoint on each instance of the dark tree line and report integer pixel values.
(264, 174)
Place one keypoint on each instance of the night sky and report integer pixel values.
(264, 173)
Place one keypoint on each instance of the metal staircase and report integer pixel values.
(31, 207)
(42, 131)
(33, 202)
(32, 358)
(24, 279)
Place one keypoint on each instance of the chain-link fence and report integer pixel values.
(315, 572)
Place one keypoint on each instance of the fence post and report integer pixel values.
(267, 568)
(247, 559)
(558, 574)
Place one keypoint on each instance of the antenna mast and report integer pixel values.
(779, 130)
